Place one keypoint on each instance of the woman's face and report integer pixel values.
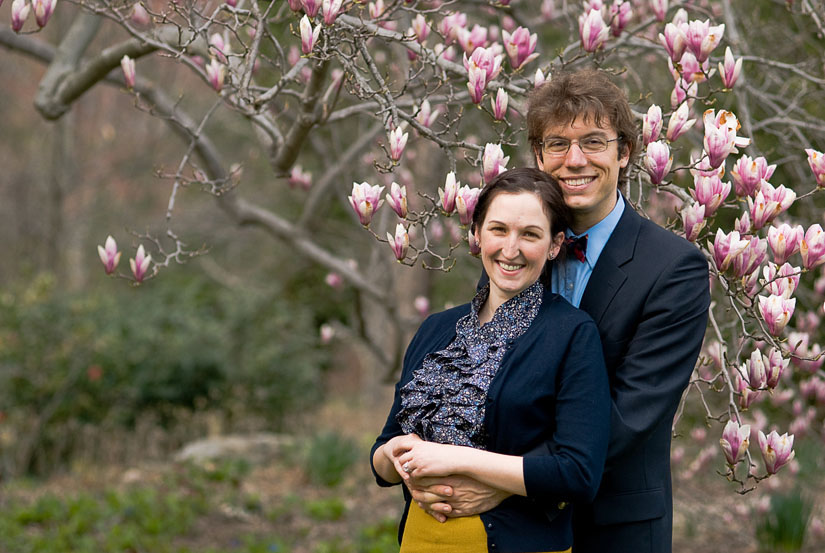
(515, 242)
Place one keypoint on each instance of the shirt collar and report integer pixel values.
(599, 234)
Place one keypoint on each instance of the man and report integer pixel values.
(646, 288)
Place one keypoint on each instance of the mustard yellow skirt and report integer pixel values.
(424, 534)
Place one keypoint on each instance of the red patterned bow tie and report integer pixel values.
(577, 246)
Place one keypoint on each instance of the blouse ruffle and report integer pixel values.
(444, 401)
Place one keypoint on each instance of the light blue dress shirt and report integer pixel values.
(571, 276)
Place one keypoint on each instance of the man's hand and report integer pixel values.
(454, 496)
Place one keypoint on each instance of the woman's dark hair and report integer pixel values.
(534, 181)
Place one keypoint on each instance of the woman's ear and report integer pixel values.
(555, 246)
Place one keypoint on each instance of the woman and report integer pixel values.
(510, 389)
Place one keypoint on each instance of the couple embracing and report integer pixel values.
(537, 417)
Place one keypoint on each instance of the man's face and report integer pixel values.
(588, 181)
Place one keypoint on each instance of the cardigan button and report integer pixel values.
(562, 505)
(489, 525)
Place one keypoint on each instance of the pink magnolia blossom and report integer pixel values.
(726, 247)
(683, 92)
(783, 197)
(109, 255)
(776, 311)
(334, 280)
(295, 5)
(659, 8)
(742, 224)
(326, 332)
(674, 41)
(309, 36)
(817, 162)
(548, 10)
(422, 306)
(658, 161)
(751, 257)
(693, 219)
(812, 247)
(735, 441)
(365, 200)
(397, 199)
(775, 365)
(679, 122)
(477, 83)
(485, 59)
(720, 136)
(748, 174)
(499, 104)
(449, 193)
(539, 78)
(762, 211)
(729, 70)
(493, 161)
(311, 7)
(19, 13)
(691, 69)
(702, 38)
(299, 177)
(43, 10)
(398, 141)
(216, 73)
(399, 243)
(777, 451)
(450, 25)
(469, 40)
(620, 14)
(218, 47)
(709, 191)
(784, 241)
(593, 31)
(465, 203)
(783, 281)
(140, 264)
(331, 9)
(139, 15)
(475, 249)
(520, 46)
(754, 370)
(426, 115)
(127, 65)
(652, 124)
(747, 395)
(420, 29)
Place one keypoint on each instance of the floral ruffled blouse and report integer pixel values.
(444, 401)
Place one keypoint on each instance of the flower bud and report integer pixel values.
(658, 161)
(735, 441)
(109, 255)
(365, 200)
(400, 242)
(128, 66)
(777, 451)
(140, 264)
(397, 199)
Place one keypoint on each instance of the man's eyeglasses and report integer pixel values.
(589, 145)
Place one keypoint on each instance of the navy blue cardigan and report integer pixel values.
(548, 402)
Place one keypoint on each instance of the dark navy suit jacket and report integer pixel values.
(649, 296)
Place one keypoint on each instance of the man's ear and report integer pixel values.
(624, 156)
(539, 158)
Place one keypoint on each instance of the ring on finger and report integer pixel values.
(406, 467)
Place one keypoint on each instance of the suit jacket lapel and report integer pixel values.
(608, 276)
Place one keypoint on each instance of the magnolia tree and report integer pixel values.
(402, 110)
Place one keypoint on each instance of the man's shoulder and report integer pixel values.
(663, 244)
